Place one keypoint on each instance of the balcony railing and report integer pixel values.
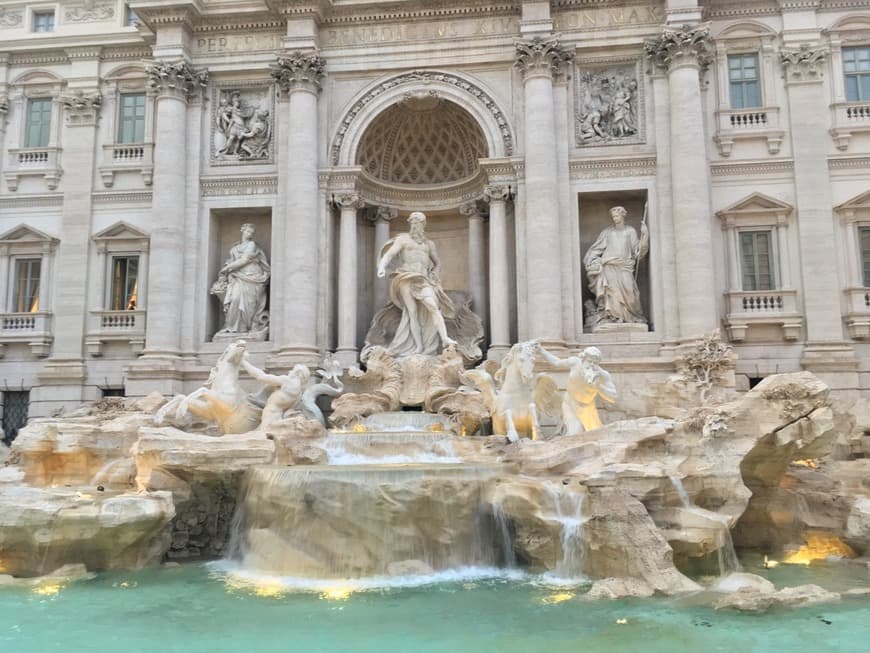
(31, 328)
(759, 307)
(33, 161)
(115, 326)
(847, 119)
(127, 157)
(748, 124)
(858, 313)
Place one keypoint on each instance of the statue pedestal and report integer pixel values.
(250, 336)
(620, 327)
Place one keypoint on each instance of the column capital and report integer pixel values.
(176, 79)
(82, 108)
(804, 64)
(496, 193)
(349, 201)
(298, 71)
(689, 45)
(383, 214)
(470, 210)
(540, 57)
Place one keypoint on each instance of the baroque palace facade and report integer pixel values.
(138, 138)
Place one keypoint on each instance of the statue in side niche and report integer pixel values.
(586, 381)
(242, 287)
(611, 267)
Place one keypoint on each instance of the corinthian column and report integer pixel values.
(174, 84)
(824, 327)
(499, 290)
(476, 259)
(684, 53)
(539, 59)
(382, 219)
(298, 76)
(348, 286)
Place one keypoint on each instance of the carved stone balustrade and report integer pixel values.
(131, 157)
(33, 329)
(763, 307)
(748, 124)
(33, 161)
(115, 326)
(848, 119)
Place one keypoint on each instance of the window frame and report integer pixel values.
(744, 83)
(43, 12)
(138, 121)
(33, 294)
(45, 128)
(110, 297)
(857, 73)
(772, 253)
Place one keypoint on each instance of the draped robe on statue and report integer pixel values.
(245, 297)
(408, 274)
(610, 263)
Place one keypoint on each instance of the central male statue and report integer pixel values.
(415, 288)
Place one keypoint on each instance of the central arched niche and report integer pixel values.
(422, 140)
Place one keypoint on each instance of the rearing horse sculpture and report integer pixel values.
(515, 393)
(221, 401)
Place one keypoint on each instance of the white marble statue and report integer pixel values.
(586, 381)
(292, 392)
(415, 288)
(242, 286)
(515, 393)
(221, 401)
(611, 266)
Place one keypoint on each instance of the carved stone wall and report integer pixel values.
(610, 104)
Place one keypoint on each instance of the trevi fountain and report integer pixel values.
(428, 501)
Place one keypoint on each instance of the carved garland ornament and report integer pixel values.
(11, 17)
(298, 71)
(803, 64)
(82, 108)
(687, 44)
(423, 77)
(177, 78)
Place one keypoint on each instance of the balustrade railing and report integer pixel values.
(748, 120)
(117, 323)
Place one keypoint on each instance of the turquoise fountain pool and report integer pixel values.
(203, 608)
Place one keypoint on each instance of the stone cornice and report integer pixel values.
(139, 197)
(38, 58)
(686, 45)
(612, 167)
(805, 64)
(216, 186)
(298, 71)
(465, 10)
(175, 79)
(541, 57)
(752, 168)
(31, 201)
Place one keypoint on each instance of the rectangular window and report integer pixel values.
(856, 68)
(27, 273)
(130, 17)
(743, 79)
(756, 260)
(125, 283)
(865, 254)
(131, 121)
(38, 126)
(43, 21)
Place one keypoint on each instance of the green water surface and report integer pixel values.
(198, 608)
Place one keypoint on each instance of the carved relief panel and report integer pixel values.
(242, 125)
(609, 104)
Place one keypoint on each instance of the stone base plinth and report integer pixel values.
(620, 327)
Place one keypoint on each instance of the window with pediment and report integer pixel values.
(127, 131)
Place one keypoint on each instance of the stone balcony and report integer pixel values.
(849, 118)
(33, 329)
(858, 313)
(33, 161)
(132, 157)
(115, 326)
(763, 307)
(748, 124)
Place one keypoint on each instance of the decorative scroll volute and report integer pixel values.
(298, 71)
(175, 79)
(540, 57)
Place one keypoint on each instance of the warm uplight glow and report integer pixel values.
(34, 307)
(809, 462)
(269, 590)
(360, 428)
(557, 597)
(337, 594)
(48, 589)
(463, 432)
(769, 564)
(622, 622)
(435, 427)
(818, 547)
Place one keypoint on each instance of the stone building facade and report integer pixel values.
(137, 138)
